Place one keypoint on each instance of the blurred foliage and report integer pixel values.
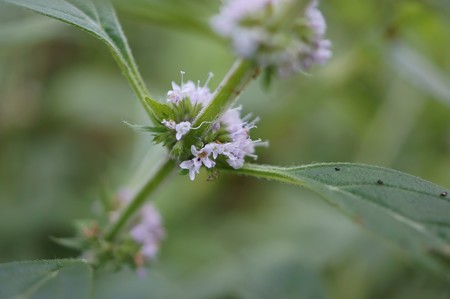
(383, 99)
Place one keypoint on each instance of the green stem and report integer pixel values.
(139, 199)
(241, 73)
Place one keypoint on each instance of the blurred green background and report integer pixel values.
(383, 99)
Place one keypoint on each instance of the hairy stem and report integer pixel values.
(140, 198)
(264, 172)
(240, 74)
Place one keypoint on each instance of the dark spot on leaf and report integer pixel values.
(443, 194)
(380, 182)
(337, 168)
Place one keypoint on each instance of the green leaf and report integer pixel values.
(98, 18)
(411, 211)
(160, 110)
(75, 243)
(52, 279)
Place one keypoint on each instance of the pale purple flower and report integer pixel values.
(215, 149)
(197, 94)
(315, 19)
(322, 52)
(193, 166)
(245, 39)
(201, 94)
(232, 119)
(148, 232)
(246, 42)
(150, 250)
(235, 162)
(182, 129)
(202, 156)
(176, 94)
(179, 92)
(233, 11)
(319, 49)
(238, 149)
(246, 25)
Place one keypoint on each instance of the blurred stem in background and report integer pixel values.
(392, 125)
(139, 198)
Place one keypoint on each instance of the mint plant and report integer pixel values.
(205, 129)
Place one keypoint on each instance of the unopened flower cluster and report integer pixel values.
(265, 31)
(228, 141)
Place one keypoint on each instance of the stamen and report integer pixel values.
(210, 76)
(260, 143)
(247, 117)
(205, 122)
(252, 124)
(182, 78)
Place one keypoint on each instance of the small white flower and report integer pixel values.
(236, 163)
(169, 124)
(175, 95)
(179, 92)
(215, 149)
(193, 166)
(201, 94)
(197, 94)
(231, 150)
(232, 119)
(202, 156)
(182, 129)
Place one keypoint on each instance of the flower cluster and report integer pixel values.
(228, 142)
(238, 146)
(257, 30)
(149, 232)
